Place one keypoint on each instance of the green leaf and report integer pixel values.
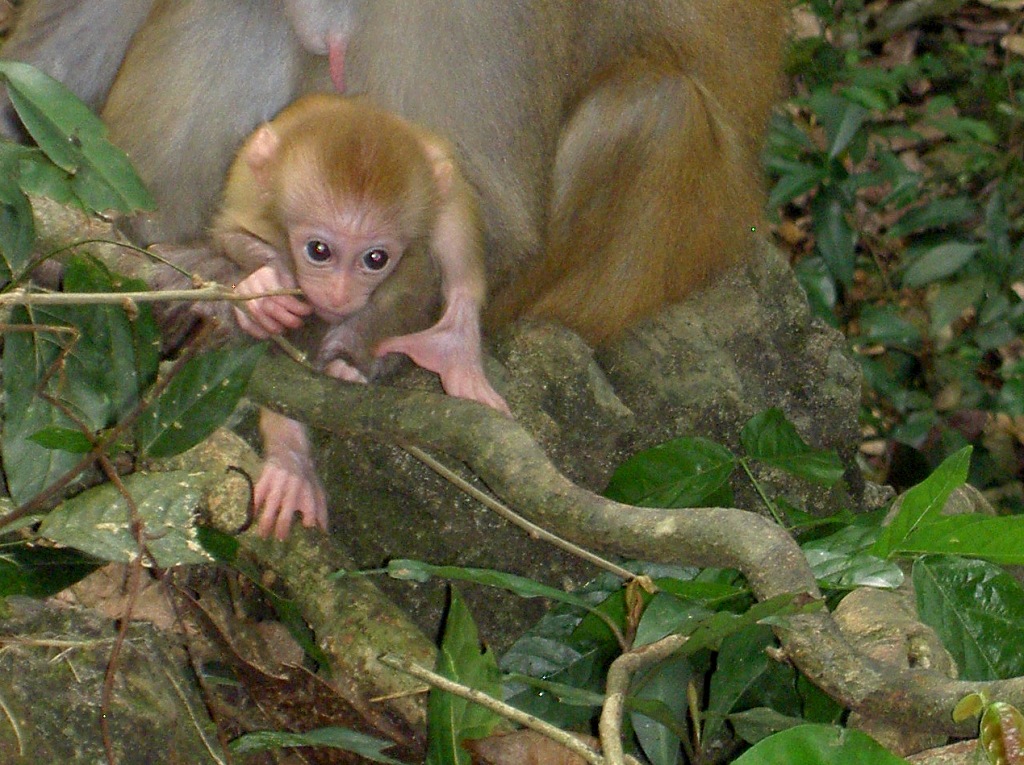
(67, 439)
(977, 609)
(197, 401)
(772, 439)
(884, 324)
(742, 661)
(841, 119)
(27, 358)
(685, 472)
(923, 503)
(120, 355)
(759, 723)
(74, 139)
(819, 745)
(792, 184)
(814, 277)
(667, 614)
(17, 226)
(939, 213)
(98, 521)
(451, 719)
(843, 560)
(38, 571)
(836, 238)
(659, 709)
(995, 539)
(939, 262)
(40, 177)
(418, 571)
(367, 747)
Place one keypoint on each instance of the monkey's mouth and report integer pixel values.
(332, 317)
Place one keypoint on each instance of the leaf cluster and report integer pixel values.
(898, 174)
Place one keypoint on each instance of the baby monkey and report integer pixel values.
(361, 210)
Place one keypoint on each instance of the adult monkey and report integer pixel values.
(613, 145)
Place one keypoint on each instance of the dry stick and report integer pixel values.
(134, 583)
(498, 707)
(205, 294)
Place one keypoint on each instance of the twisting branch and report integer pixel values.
(514, 467)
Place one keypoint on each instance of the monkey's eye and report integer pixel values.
(318, 251)
(375, 259)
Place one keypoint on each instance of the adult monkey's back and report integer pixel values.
(613, 144)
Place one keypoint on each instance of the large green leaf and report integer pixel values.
(977, 610)
(818, 745)
(197, 401)
(452, 719)
(686, 472)
(772, 439)
(74, 139)
(98, 521)
(996, 539)
(923, 503)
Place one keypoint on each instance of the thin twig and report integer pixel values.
(512, 516)
(207, 293)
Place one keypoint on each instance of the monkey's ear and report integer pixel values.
(441, 161)
(260, 150)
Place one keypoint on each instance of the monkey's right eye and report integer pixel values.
(376, 259)
(317, 251)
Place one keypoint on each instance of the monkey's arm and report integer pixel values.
(288, 483)
(262, 317)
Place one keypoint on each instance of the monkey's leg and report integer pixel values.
(452, 349)
(653, 191)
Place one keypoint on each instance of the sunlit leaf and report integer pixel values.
(924, 502)
(98, 521)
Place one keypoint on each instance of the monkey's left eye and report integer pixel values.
(317, 251)
(376, 259)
